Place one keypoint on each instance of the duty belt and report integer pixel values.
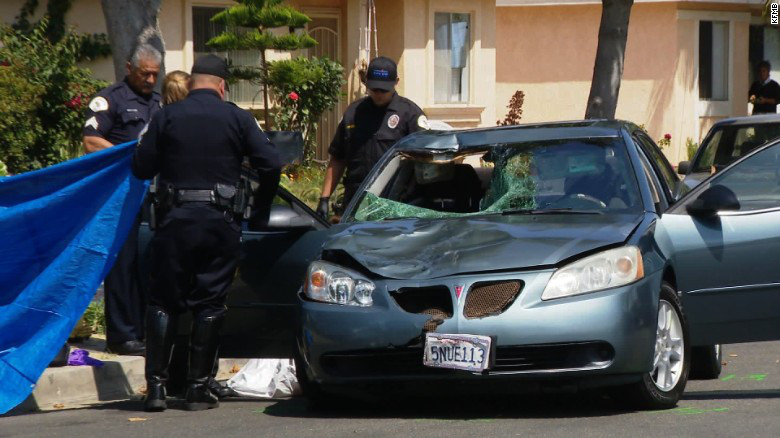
(194, 196)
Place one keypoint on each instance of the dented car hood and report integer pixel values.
(425, 249)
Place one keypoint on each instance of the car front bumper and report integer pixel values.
(600, 334)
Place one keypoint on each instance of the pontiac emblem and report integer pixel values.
(458, 290)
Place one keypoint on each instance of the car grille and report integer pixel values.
(486, 299)
(435, 301)
(409, 361)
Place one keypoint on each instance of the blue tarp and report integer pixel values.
(60, 231)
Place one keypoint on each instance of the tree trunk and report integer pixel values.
(130, 22)
(610, 54)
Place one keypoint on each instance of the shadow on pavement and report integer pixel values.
(739, 394)
(450, 408)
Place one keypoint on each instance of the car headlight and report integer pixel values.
(331, 283)
(607, 269)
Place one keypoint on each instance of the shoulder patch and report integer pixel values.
(92, 122)
(98, 104)
(392, 122)
(422, 122)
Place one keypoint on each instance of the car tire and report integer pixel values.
(662, 387)
(706, 362)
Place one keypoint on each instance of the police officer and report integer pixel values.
(370, 126)
(197, 146)
(117, 115)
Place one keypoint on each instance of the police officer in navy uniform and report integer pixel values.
(197, 146)
(370, 126)
(117, 115)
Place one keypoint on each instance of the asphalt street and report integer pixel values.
(745, 401)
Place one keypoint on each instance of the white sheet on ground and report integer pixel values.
(266, 378)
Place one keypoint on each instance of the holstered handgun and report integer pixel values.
(162, 201)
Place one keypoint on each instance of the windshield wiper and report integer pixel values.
(530, 211)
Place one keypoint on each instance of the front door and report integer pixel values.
(728, 264)
(324, 28)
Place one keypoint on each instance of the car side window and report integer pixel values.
(755, 181)
(659, 162)
(655, 188)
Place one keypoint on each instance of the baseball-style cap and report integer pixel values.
(382, 74)
(212, 64)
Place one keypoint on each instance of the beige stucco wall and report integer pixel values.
(549, 55)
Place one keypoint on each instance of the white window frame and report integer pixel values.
(714, 108)
(453, 7)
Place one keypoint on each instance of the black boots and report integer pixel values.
(203, 353)
(160, 335)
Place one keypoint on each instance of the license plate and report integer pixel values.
(460, 352)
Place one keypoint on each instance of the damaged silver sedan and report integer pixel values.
(547, 256)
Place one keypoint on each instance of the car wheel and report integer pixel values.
(662, 387)
(706, 362)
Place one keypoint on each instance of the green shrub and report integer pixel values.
(43, 95)
(305, 182)
(691, 147)
(95, 317)
(303, 89)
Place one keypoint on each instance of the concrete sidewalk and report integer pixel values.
(121, 378)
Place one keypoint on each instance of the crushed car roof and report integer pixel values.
(450, 141)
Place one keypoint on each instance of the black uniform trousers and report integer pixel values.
(125, 300)
(195, 252)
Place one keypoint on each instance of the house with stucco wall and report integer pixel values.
(687, 63)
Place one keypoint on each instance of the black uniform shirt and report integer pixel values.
(119, 114)
(366, 132)
(770, 90)
(200, 141)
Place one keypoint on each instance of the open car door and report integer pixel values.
(723, 240)
(261, 303)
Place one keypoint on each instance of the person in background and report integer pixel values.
(118, 114)
(369, 128)
(175, 86)
(764, 94)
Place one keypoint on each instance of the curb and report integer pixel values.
(120, 378)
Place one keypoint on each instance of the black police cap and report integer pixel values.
(382, 74)
(211, 64)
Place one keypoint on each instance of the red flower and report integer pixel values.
(293, 95)
(5, 63)
(74, 103)
(668, 136)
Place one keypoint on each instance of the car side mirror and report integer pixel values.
(684, 167)
(716, 198)
(284, 217)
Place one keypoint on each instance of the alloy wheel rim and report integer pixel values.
(669, 348)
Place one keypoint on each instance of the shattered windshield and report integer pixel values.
(590, 176)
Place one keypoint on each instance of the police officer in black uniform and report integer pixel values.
(197, 146)
(117, 115)
(370, 126)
